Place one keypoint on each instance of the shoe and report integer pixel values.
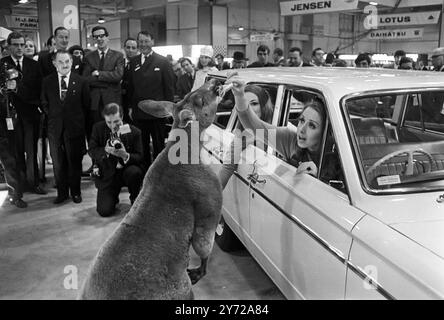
(19, 203)
(77, 199)
(59, 200)
(39, 190)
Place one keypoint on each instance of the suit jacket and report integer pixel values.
(65, 116)
(184, 85)
(152, 80)
(27, 99)
(107, 84)
(107, 164)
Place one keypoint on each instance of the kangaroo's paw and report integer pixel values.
(196, 274)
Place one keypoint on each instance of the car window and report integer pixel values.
(399, 157)
(425, 111)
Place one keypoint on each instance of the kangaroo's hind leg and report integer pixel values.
(206, 218)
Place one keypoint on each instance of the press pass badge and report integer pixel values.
(9, 124)
(124, 129)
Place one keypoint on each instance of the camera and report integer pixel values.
(115, 141)
(8, 78)
(95, 172)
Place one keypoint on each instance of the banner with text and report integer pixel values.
(65, 13)
(411, 33)
(22, 22)
(408, 19)
(290, 8)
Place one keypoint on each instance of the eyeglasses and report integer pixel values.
(129, 48)
(18, 44)
(101, 36)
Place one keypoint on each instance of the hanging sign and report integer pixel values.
(411, 33)
(22, 22)
(65, 13)
(291, 8)
(261, 37)
(408, 19)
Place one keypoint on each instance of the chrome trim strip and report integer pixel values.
(335, 252)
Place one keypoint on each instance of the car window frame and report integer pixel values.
(288, 90)
(356, 152)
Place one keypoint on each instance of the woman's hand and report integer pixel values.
(308, 167)
(237, 85)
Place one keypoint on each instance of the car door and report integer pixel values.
(299, 224)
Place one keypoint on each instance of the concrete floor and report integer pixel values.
(38, 243)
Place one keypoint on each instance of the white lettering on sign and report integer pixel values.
(412, 33)
(71, 21)
(371, 20)
(309, 7)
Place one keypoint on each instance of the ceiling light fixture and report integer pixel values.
(101, 20)
(241, 29)
(23, 1)
(373, 3)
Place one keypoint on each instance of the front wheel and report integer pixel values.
(225, 237)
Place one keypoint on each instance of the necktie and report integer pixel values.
(64, 89)
(102, 60)
(19, 67)
(145, 57)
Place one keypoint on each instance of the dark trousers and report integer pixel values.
(154, 128)
(27, 133)
(43, 134)
(107, 197)
(93, 117)
(8, 160)
(67, 154)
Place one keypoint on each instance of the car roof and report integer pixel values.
(341, 81)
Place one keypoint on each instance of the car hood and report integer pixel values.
(406, 208)
(428, 234)
(420, 217)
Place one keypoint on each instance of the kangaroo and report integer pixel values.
(147, 256)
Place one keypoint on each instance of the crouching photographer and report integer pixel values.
(116, 149)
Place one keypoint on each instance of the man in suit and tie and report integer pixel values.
(130, 48)
(65, 99)
(61, 37)
(186, 81)
(26, 101)
(151, 77)
(118, 153)
(104, 71)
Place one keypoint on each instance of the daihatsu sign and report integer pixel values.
(290, 8)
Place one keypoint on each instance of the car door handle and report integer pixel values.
(254, 178)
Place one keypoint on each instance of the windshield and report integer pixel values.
(399, 140)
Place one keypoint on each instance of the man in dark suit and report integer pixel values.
(61, 37)
(118, 153)
(151, 77)
(185, 81)
(26, 101)
(65, 99)
(262, 53)
(8, 150)
(295, 58)
(438, 59)
(104, 71)
(131, 50)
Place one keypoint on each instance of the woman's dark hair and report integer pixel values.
(330, 58)
(263, 96)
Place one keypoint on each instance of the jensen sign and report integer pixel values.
(309, 7)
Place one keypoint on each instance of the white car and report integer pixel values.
(376, 233)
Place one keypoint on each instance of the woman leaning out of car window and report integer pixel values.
(302, 148)
(258, 100)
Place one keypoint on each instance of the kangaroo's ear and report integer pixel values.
(159, 109)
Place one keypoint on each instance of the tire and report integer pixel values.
(225, 237)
